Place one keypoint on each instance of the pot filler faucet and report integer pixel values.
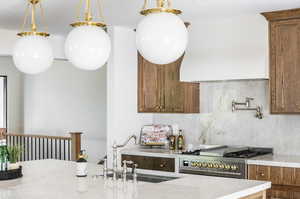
(115, 161)
(247, 107)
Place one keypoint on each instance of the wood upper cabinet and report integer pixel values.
(160, 91)
(284, 37)
(149, 91)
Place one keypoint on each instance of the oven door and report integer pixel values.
(214, 166)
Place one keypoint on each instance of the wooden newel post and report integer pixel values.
(76, 145)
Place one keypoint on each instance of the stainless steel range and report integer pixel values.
(223, 161)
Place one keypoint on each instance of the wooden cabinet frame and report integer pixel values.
(160, 89)
(284, 50)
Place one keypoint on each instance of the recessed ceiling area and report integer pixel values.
(60, 13)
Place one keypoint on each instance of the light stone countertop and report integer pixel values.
(55, 179)
(154, 152)
(266, 160)
(276, 160)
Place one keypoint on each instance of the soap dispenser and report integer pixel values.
(81, 165)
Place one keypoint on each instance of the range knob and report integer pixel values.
(221, 166)
(216, 166)
(193, 164)
(227, 166)
(234, 167)
(204, 165)
(210, 165)
(199, 164)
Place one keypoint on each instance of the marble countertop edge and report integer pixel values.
(248, 192)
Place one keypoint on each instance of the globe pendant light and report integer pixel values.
(32, 53)
(88, 45)
(161, 36)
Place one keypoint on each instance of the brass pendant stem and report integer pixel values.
(88, 17)
(34, 1)
(160, 3)
(88, 13)
(33, 31)
(161, 6)
(33, 23)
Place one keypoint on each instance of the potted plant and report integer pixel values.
(14, 153)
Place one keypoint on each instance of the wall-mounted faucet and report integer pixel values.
(247, 105)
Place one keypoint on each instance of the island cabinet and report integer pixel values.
(152, 163)
(160, 91)
(285, 180)
(284, 50)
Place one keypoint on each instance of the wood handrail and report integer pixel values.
(74, 141)
(76, 145)
(39, 136)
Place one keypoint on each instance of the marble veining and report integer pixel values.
(217, 124)
(50, 179)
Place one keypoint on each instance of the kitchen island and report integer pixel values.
(55, 179)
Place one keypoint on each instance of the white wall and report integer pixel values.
(15, 94)
(2, 103)
(122, 117)
(9, 37)
(66, 99)
(227, 48)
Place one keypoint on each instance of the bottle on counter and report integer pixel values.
(180, 141)
(81, 165)
(172, 142)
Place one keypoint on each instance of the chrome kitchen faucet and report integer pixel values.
(115, 161)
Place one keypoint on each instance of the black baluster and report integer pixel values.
(69, 149)
(55, 148)
(39, 148)
(23, 146)
(64, 149)
(31, 158)
(47, 147)
(27, 148)
(51, 148)
(60, 149)
(43, 148)
(35, 147)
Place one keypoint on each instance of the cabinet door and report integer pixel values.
(160, 91)
(285, 66)
(173, 91)
(280, 194)
(149, 91)
(191, 97)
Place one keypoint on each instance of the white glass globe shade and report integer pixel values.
(88, 47)
(161, 38)
(32, 54)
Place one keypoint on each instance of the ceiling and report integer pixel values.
(60, 13)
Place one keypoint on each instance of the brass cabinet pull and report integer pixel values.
(162, 165)
(262, 174)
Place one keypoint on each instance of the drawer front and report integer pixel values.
(277, 175)
(284, 192)
(152, 163)
(263, 173)
(285, 181)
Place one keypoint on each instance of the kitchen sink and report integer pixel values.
(148, 178)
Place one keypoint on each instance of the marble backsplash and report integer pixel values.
(217, 124)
